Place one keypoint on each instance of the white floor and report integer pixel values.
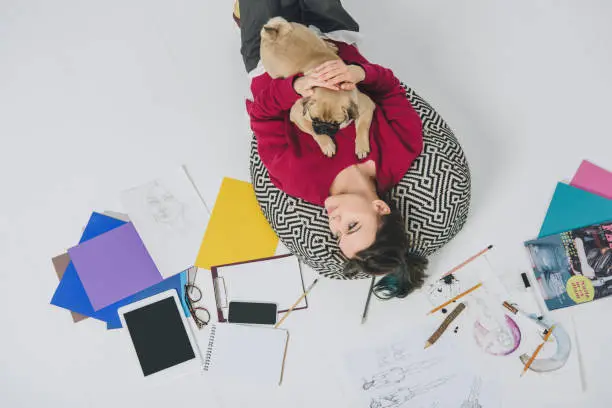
(97, 96)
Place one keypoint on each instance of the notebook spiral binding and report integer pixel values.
(209, 349)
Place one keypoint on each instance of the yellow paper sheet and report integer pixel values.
(237, 230)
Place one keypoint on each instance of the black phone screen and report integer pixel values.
(252, 312)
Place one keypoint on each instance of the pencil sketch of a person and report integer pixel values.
(396, 375)
(163, 206)
(389, 355)
(472, 399)
(400, 396)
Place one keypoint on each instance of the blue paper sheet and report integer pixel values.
(70, 293)
(572, 208)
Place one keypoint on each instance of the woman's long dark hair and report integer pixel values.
(390, 255)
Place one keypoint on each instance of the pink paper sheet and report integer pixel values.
(593, 179)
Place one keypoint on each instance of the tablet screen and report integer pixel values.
(159, 336)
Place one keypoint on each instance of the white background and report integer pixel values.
(98, 96)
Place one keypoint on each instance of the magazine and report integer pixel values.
(574, 266)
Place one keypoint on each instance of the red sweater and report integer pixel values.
(294, 160)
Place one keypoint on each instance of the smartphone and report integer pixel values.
(252, 312)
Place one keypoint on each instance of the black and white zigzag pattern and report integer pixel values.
(433, 196)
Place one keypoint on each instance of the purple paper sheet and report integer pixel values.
(113, 266)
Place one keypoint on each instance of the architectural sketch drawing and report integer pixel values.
(400, 396)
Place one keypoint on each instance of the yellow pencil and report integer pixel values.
(295, 304)
(459, 296)
(537, 350)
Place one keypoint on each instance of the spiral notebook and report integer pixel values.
(248, 353)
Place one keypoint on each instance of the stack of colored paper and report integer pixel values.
(118, 262)
(109, 268)
(573, 241)
(587, 200)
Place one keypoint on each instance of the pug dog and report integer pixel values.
(288, 49)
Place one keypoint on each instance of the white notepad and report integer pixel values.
(245, 353)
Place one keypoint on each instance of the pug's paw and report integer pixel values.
(329, 149)
(362, 148)
(327, 145)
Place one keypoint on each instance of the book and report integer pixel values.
(240, 352)
(574, 266)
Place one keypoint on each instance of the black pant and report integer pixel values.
(327, 15)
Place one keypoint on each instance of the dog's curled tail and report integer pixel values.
(273, 28)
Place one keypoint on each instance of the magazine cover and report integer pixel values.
(574, 266)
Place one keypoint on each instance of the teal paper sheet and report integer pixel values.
(572, 208)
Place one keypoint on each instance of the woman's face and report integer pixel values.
(354, 220)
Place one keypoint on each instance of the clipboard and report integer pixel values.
(276, 279)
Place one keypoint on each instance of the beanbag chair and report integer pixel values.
(433, 197)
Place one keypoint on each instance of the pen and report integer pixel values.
(529, 290)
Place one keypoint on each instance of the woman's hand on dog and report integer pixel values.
(304, 85)
(338, 74)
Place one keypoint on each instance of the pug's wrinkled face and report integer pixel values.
(330, 111)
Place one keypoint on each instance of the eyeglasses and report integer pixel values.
(201, 315)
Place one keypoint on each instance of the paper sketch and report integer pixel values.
(171, 219)
(443, 289)
(472, 399)
(495, 332)
(402, 395)
(163, 206)
(403, 374)
(396, 375)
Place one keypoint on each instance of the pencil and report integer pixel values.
(537, 350)
(467, 261)
(284, 359)
(295, 304)
(367, 305)
(449, 319)
(459, 296)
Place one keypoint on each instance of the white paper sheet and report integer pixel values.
(403, 374)
(487, 336)
(171, 219)
(277, 280)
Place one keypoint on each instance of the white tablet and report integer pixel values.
(161, 336)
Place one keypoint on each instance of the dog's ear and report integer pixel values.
(305, 104)
(352, 111)
(331, 46)
(270, 32)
